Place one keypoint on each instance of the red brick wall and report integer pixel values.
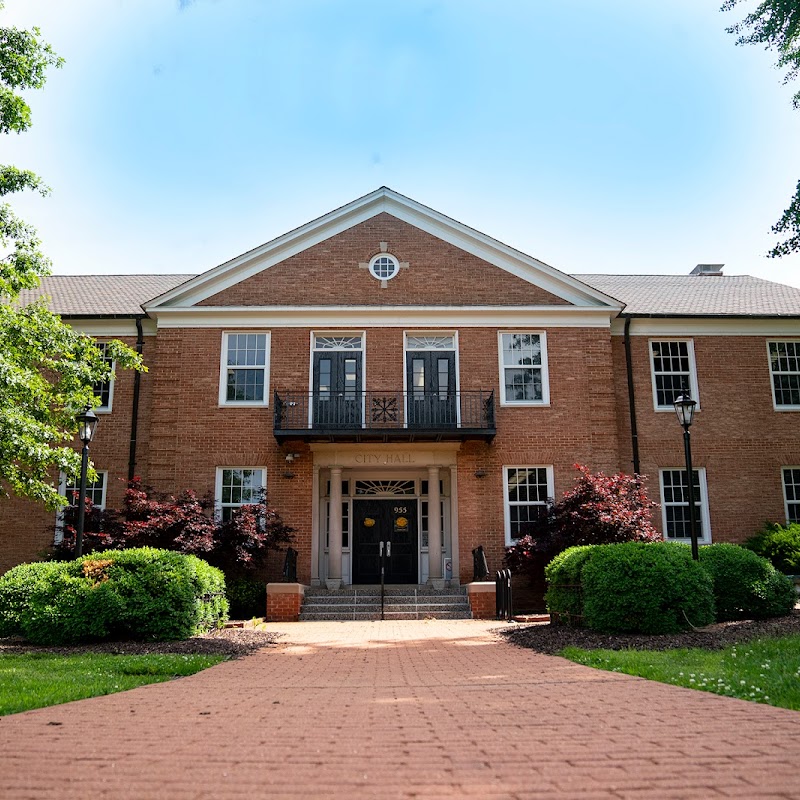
(737, 435)
(328, 274)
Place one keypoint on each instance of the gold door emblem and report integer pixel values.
(368, 522)
(401, 522)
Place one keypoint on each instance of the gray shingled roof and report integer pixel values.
(677, 295)
(101, 294)
(735, 295)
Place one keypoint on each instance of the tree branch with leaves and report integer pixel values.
(776, 25)
(48, 370)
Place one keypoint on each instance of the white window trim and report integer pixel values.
(705, 516)
(507, 503)
(383, 279)
(223, 372)
(111, 381)
(785, 498)
(775, 405)
(545, 401)
(62, 490)
(218, 487)
(693, 385)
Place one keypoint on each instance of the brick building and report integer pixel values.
(434, 387)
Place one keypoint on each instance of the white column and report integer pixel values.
(435, 576)
(334, 580)
(456, 580)
(316, 550)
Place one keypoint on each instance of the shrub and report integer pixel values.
(133, 594)
(648, 588)
(781, 546)
(746, 586)
(599, 509)
(183, 523)
(564, 595)
(247, 597)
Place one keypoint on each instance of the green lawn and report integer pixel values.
(39, 679)
(764, 670)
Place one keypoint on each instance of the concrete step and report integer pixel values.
(400, 602)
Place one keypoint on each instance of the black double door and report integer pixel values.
(431, 382)
(336, 396)
(376, 521)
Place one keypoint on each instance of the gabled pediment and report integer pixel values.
(323, 263)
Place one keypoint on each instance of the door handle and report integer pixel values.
(388, 549)
(380, 548)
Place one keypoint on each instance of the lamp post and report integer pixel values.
(684, 408)
(87, 423)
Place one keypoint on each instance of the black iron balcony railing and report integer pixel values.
(384, 415)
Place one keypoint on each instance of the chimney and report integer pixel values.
(707, 269)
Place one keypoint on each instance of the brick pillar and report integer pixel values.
(481, 596)
(284, 601)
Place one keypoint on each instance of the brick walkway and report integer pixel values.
(401, 710)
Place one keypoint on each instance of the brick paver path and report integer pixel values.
(407, 710)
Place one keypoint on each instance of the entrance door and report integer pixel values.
(337, 389)
(431, 380)
(393, 520)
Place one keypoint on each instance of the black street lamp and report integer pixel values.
(684, 408)
(87, 423)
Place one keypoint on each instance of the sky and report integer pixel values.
(623, 136)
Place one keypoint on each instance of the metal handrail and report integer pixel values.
(378, 409)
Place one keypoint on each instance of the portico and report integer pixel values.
(386, 492)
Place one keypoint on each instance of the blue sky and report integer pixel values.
(622, 136)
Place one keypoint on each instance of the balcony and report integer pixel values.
(384, 416)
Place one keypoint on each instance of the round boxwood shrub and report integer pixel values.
(648, 588)
(746, 586)
(142, 593)
(564, 596)
(779, 545)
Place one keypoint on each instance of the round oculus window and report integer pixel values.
(384, 267)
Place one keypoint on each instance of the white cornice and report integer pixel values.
(111, 327)
(384, 316)
(714, 326)
(383, 200)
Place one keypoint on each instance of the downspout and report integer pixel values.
(631, 396)
(137, 381)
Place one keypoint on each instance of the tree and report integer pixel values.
(776, 25)
(47, 371)
(599, 509)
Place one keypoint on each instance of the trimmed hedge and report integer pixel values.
(746, 586)
(645, 588)
(142, 593)
(564, 596)
(779, 545)
(247, 597)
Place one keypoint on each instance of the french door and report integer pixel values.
(431, 382)
(336, 392)
(376, 521)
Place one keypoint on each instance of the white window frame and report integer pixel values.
(106, 409)
(693, 385)
(786, 500)
(223, 371)
(218, 506)
(313, 349)
(705, 517)
(62, 490)
(775, 405)
(545, 401)
(439, 334)
(507, 503)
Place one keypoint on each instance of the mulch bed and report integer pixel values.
(552, 639)
(230, 642)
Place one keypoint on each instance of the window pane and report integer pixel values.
(671, 371)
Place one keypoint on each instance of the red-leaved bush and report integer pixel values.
(184, 523)
(599, 509)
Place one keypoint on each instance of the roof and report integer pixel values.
(698, 295)
(92, 295)
(670, 295)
